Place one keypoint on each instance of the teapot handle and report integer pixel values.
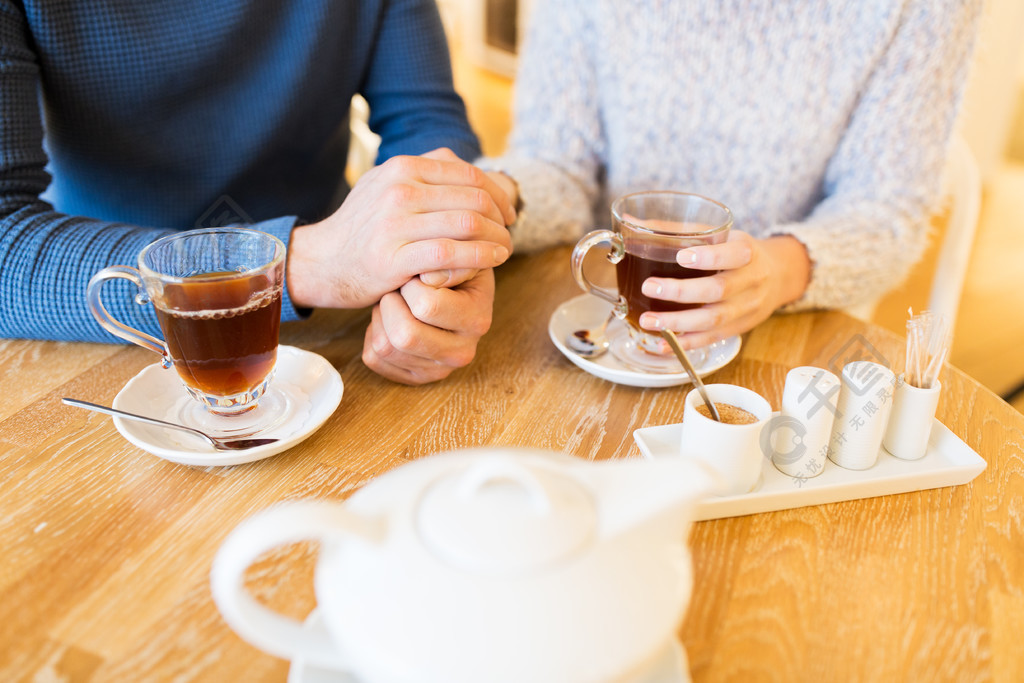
(281, 525)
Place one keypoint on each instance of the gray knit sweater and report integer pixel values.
(827, 120)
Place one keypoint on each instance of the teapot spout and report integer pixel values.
(633, 493)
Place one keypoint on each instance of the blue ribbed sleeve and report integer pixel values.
(403, 69)
(122, 121)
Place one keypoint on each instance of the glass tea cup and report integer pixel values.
(648, 230)
(217, 295)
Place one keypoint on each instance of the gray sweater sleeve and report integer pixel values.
(883, 182)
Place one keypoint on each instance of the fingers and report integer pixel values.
(422, 334)
(451, 247)
(716, 316)
(706, 324)
(477, 178)
(442, 154)
(734, 277)
(736, 252)
(734, 299)
(408, 216)
(419, 197)
(741, 295)
(442, 168)
(698, 339)
(439, 224)
(448, 278)
(445, 254)
(507, 184)
(701, 290)
(384, 358)
(465, 310)
(404, 349)
(456, 225)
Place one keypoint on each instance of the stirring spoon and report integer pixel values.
(219, 444)
(670, 337)
(590, 343)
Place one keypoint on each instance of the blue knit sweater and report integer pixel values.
(121, 120)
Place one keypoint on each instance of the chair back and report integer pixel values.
(962, 191)
(363, 142)
(963, 188)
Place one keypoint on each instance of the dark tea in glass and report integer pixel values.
(217, 294)
(221, 333)
(633, 269)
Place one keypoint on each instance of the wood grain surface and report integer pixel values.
(107, 549)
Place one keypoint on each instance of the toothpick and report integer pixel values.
(927, 348)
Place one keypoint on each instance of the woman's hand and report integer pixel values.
(756, 277)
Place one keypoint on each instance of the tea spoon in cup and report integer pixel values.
(219, 444)
(590, 343)
(670, 337)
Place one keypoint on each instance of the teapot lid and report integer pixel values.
(502, 516)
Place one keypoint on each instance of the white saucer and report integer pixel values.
(672, 666)
(310, 387)
(586, 311)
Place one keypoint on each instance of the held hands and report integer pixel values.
(432, 219)
(756, 277)
(433, 324)
(422, 333)
(410, 215)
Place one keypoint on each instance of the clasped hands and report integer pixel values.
(417, 239)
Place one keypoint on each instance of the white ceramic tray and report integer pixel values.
(948, 462)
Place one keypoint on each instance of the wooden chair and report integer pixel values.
(363, 142)
(963, 187)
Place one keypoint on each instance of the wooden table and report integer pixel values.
(107, 549)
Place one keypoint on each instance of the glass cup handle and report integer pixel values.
(114, 326)
(616, 252)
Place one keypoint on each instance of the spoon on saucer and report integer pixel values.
(219, 444)
(590, 343)
(670, 337)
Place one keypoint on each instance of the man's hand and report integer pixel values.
(451, 278)
(408, 216)
(422, 333)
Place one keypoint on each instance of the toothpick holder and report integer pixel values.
(910, 424)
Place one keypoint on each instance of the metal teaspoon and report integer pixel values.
(670, 337)
(219, 444)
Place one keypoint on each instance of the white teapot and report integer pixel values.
(483, 565)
